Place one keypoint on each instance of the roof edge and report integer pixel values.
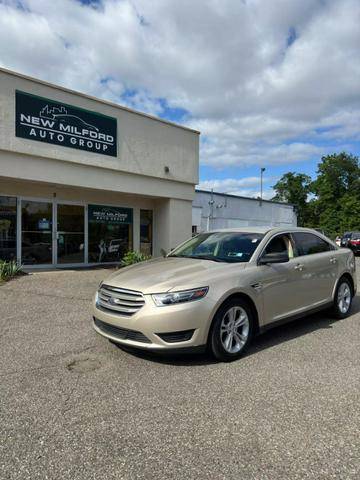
(231, 195)
(96, 99)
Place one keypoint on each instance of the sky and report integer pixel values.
(273, 84)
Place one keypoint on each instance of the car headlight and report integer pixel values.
(172, 298)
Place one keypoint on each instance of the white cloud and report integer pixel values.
(246, 187)
(256, 98)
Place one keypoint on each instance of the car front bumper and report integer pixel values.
(168, 328)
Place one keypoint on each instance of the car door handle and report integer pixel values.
(333, 260)
(299, 267)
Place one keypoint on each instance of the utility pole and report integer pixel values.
(262, 170)
(211, 211)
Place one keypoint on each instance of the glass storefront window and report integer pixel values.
(36, 241)
(146, 231)
(7, 228)
(110, 233)
(70, 233)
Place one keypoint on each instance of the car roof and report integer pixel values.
(264, 230)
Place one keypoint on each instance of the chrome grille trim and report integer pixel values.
(120, 300)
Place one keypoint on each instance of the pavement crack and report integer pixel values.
(47, 367)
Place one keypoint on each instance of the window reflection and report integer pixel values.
(7, 228)
(146, 231)
(36, 240)
(70, 233)
(110, 233)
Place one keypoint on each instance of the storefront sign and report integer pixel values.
(57, 123)
(109, 215)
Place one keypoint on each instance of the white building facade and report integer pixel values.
(83, 180)
(218, 210)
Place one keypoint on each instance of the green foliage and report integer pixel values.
(337, 193)
(294, 188)
(134, 257)
(332, 201)
(9, 270)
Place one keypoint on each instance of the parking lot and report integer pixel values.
(75, 406)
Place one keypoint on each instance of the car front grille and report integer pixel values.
(121, 333)
(119, 300)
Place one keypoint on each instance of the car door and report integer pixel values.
(279, 281)
(317, 268)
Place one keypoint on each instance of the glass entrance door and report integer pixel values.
(70, 234)
(36, 232)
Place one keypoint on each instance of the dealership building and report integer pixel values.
(84, 180)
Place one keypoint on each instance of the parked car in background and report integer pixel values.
(345, 239)
(352, 241)
(338, 241)
(220, 288)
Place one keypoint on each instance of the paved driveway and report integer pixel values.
(74, 406)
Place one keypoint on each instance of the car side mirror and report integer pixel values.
(278, 257)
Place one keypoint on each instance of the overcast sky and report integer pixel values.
(272, 83)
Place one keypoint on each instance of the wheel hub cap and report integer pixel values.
(344, 298)
(234, 329)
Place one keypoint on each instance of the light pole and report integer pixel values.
(262, 170)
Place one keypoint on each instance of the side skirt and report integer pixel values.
(297, 316)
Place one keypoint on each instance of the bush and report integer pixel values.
(9, 270)
(134, 257)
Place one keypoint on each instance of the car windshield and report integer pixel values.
(355, 236)
(234, 247)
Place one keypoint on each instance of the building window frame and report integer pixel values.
(151, 253)
(55, 201)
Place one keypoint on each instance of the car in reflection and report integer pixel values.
(221, 288)
(33, 253)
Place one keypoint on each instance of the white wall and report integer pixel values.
(233, 212)
(173, 217)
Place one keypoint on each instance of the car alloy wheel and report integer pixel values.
(234, 329)
(231, 330)
(344, 298)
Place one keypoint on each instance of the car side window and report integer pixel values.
(307, 244)
(280, 244)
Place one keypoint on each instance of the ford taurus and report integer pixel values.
(221, 288)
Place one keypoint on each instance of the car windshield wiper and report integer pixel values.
(206, 257)
(199, 257)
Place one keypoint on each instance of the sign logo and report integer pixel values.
(57, 123)
(109, 215)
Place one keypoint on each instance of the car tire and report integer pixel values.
(232, 330)
(342, 299)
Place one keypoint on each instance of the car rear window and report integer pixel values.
(308, 244)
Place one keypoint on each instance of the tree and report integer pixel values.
(294, 188)
(337, 193)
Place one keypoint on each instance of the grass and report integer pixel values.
(9, 270)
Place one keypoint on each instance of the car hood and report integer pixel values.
(165, 274)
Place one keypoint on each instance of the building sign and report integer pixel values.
(57, 123)
(109, 215)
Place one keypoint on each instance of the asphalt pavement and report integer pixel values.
(75, 406)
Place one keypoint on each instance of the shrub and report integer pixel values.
(134, 257)
(9, 269)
